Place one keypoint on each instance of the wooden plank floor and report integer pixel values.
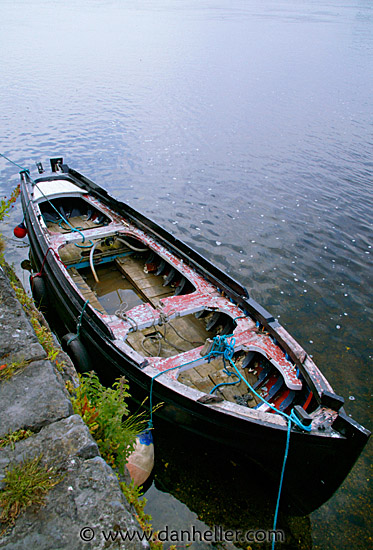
(205, 377)
(148, 284)
(77, 222)
(85, 290)
(178, 335)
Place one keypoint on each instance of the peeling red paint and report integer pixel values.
(205, 296)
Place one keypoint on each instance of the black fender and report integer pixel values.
(77, 352)
(39, 292)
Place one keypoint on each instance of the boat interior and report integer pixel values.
(117, 273)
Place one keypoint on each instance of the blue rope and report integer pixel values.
(15, 164)
(76, 229)
(52, 205)
(225, 383)
(221, 346)
(84, 245)
(226, 350)
(281, 481)
(63, 219)
(290, 419)
(217, 349)
(60, 215)
(292, 416)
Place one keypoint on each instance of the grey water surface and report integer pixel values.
(245, 127)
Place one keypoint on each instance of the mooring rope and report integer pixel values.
(280, 485)
(224, 347)
(15, 164)
(78, 325)
(62, 218)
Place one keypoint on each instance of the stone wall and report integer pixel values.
(89, 495)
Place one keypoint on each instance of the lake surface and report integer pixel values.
(245, 127)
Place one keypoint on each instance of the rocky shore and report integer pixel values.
(87, 507)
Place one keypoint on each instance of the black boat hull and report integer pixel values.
(317, 463)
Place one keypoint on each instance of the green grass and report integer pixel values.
(26, 484)
(12, 438)
(9, 370)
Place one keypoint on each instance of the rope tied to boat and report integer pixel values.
(15, 164)
(223, 345)
(62, 218)
(208, 356)
(226, 348)
(40, 273)
(79, 324)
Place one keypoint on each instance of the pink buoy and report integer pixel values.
(141, 461)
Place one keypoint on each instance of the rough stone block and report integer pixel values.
(90, 502)
(18, 340)
(33, 398)
(59, 443)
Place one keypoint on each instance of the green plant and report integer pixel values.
(43, 333)
(9, 370)
(26, 484)
(106, 414)
(133, 494)
(45, 338)
(13, 437)
(6, 205)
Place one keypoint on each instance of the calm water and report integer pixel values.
(246, 128)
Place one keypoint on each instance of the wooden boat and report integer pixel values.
(135, 300)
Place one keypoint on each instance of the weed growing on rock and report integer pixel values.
(106, 414)
(45, 338)
(133, 495)
(12, 438)
(42, 331)
(9, 370)
(26, 484)
(5, 206)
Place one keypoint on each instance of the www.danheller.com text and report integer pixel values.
(216, 534)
